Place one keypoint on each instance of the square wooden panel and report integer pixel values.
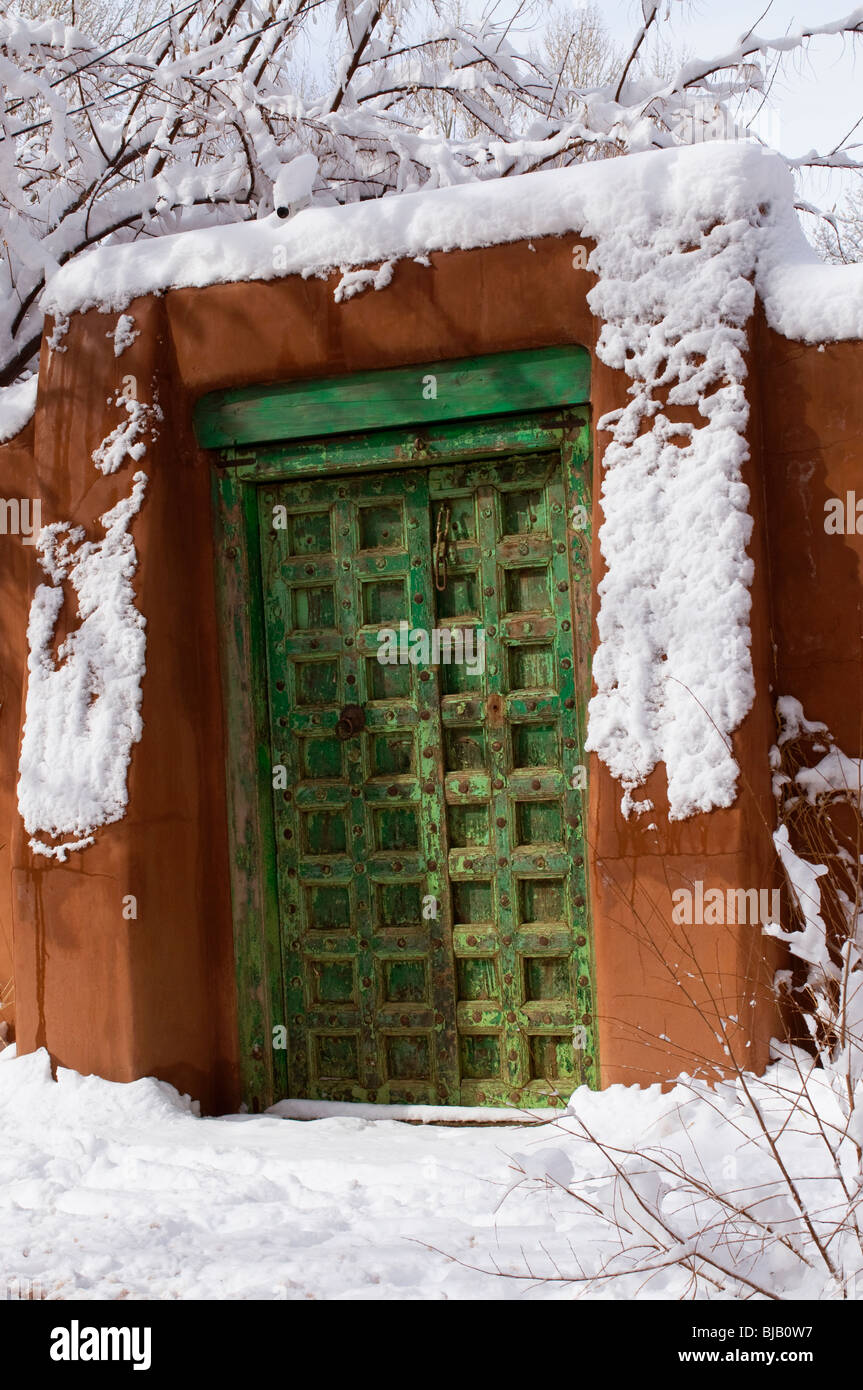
(381, 526)
(309, 533)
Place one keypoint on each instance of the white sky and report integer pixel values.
(813, 102)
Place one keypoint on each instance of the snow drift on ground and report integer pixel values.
(112, 1191)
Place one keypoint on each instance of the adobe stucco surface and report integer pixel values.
(156, 995)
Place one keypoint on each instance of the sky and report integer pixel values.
(816, 98)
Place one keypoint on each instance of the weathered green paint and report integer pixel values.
(257, 941)
(358, 832)
(417, 395)
(458, 789)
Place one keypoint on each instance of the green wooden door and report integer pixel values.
(431, 881)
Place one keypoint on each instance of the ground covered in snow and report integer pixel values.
(114, 1191)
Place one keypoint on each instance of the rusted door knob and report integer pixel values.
(351, 721)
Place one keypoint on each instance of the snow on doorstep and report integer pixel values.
(83, 704)
(298, 1109)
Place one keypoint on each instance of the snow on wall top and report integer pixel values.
(803, 297)
(684, 239)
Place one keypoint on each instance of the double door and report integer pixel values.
(422, 675)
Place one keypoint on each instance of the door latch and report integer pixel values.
(439, 568)
(351, 721)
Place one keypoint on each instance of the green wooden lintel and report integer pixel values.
(497, 384)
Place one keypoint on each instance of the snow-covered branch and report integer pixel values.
(190, 121)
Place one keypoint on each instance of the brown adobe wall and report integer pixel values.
(17, 566)
(157, 996)
(126, 998)
(813, 451)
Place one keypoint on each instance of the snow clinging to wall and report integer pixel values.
(672, 669)
(83, 704)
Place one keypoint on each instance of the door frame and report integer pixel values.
(255, 456)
